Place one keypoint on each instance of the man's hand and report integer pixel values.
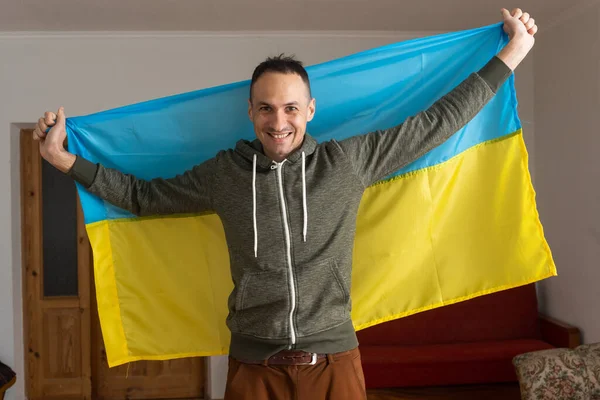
(521, 29)
(52, 141)
(519, 25)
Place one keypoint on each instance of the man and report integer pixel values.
(288, 207)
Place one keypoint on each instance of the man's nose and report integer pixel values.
(279, 121)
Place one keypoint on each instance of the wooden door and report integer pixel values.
(65, 356)
(56, 309)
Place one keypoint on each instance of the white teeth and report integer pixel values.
(280, 136)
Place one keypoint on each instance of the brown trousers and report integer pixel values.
(339, 376)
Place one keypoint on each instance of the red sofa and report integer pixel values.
(471, 342)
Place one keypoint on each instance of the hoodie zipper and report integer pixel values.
(279, 168)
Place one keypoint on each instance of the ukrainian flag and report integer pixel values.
(457, 223)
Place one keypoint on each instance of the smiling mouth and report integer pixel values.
(280, 136)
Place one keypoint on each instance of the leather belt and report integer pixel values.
(289, 357)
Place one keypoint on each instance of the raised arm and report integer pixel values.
(377, 154)
(186, 193)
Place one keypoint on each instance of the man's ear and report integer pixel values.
(311, 109)
(250, 109)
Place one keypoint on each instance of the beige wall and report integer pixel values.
(567, 166)
(91, 72)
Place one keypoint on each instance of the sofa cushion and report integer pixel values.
(508, 314)
(560, 373)
(443, 364)
(590, 355)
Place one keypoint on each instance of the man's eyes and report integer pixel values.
(288, 109)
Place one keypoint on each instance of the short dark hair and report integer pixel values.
(282, 64)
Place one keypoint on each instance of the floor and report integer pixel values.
(476, 392)
(473, 392)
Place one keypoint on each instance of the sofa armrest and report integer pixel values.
(559, 334)
(6, 386)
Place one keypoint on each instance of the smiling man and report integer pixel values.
(280, 106)
(288, 206)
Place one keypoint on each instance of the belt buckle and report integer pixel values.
(313, 359)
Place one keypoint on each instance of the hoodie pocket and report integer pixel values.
(322, 297)
(263, 305)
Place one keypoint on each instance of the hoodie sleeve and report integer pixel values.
(377, 154)
(189, 192)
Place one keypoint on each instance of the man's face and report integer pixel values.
(280, 108)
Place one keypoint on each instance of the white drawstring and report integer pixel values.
(254, 205)
(304, 207)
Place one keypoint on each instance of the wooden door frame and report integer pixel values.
(35, 305)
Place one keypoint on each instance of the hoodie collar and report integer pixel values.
(248, 149)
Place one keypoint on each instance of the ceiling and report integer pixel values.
(266, 15)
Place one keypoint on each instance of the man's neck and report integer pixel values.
(280, 157)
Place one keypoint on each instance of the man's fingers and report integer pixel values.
(525, 17)
(49, 118)
(60, 116)
(42, 124)
(517, 13)
(37, 134)
(529, 24)
(505, 13)
(533, 30)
